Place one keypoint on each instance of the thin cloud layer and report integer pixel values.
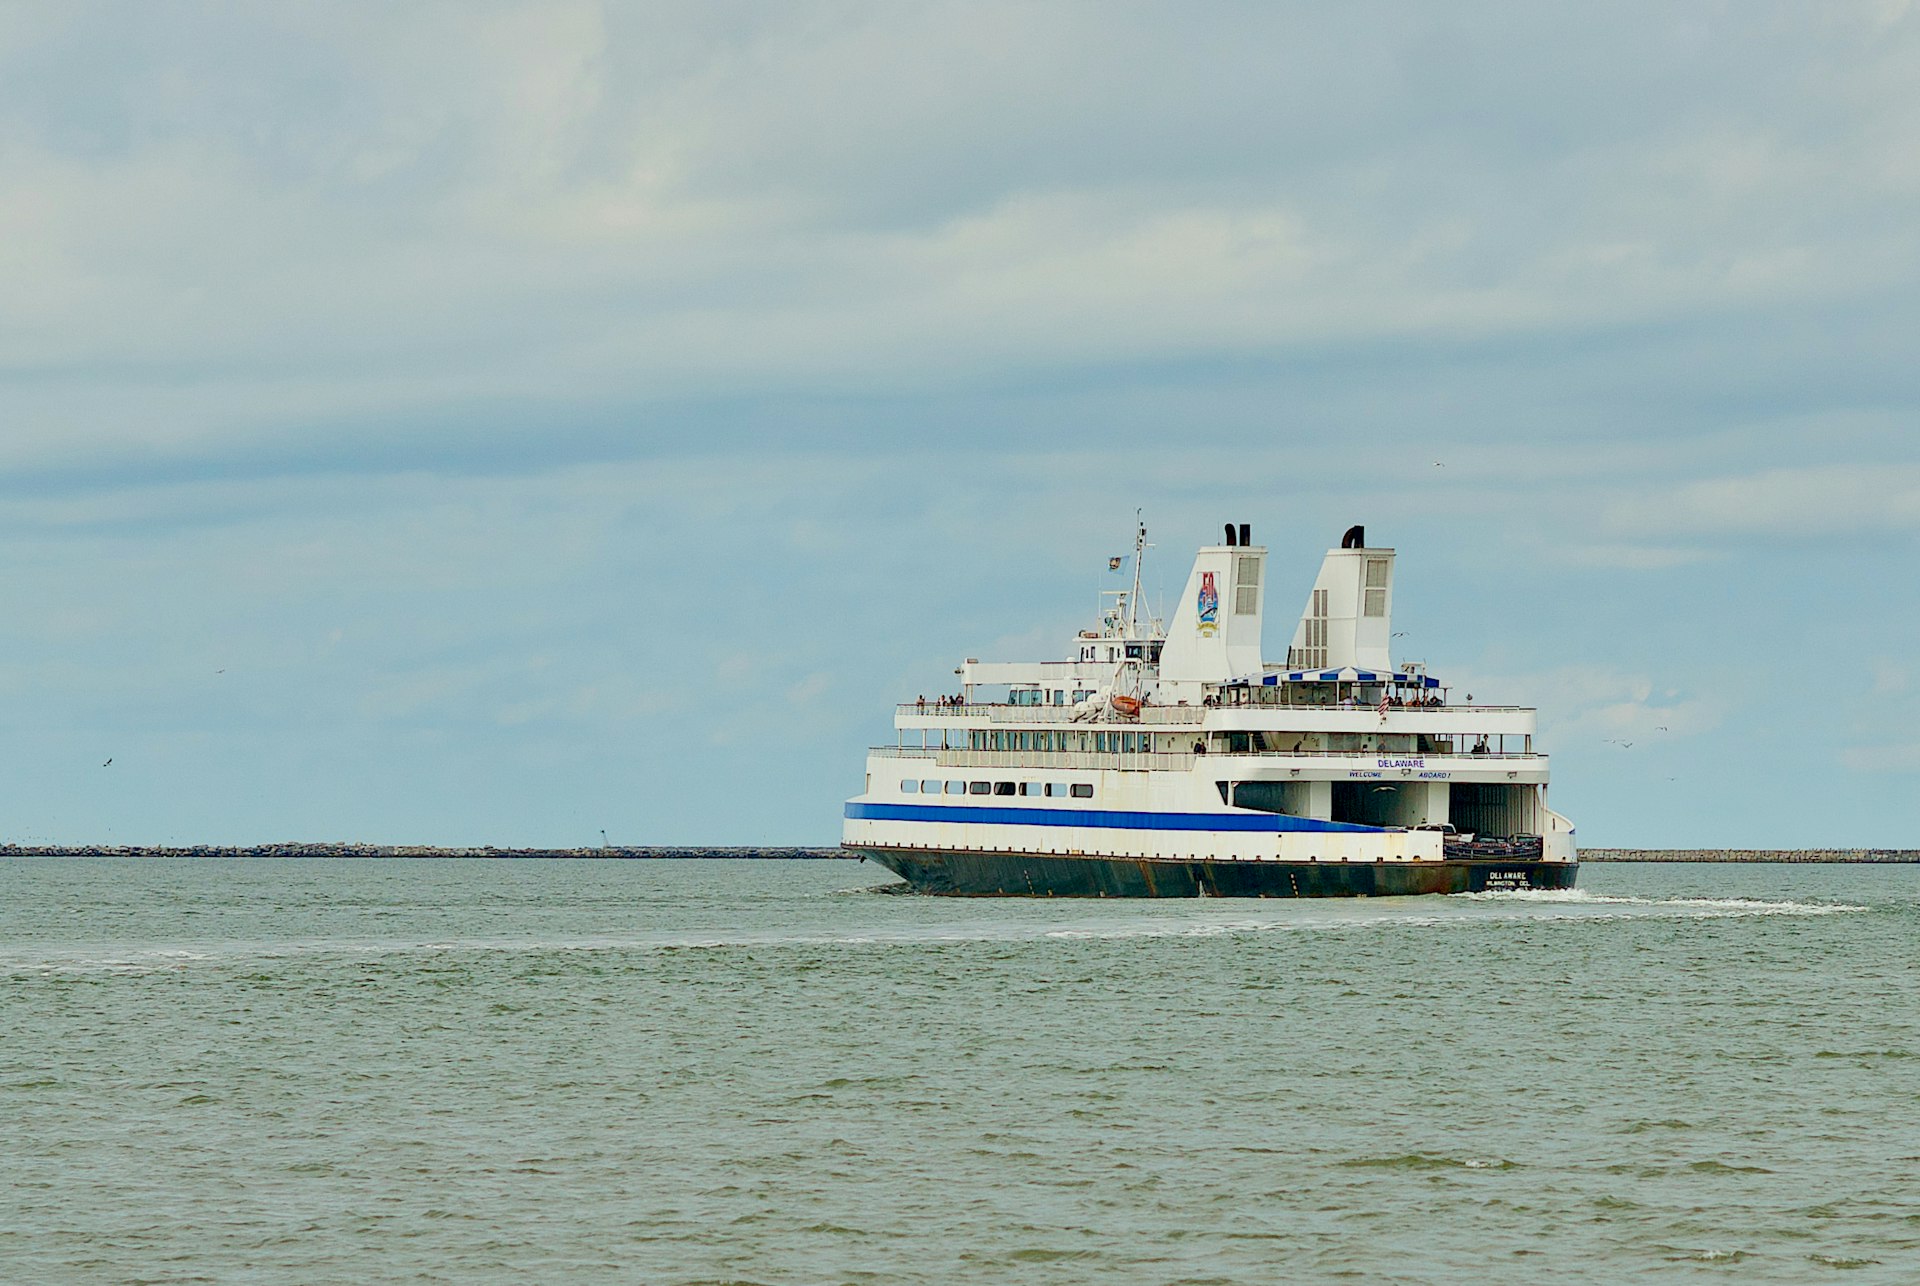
(227, 226)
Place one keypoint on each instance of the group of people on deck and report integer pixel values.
(1393, 702)
(941, 703)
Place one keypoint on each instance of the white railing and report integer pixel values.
(984, 712)
(980, 712)
(1176, 761)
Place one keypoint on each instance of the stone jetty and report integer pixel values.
(347, 849)
(659, 851)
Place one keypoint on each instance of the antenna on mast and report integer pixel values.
(1133, 599)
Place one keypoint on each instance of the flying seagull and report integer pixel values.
(109, 760)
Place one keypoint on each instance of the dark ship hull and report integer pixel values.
(1052, 875)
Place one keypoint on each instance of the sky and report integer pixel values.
(501, 423)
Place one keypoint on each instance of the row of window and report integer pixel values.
(1051, 696)
(1147, 650)
(1042, 789)
(1109, 743)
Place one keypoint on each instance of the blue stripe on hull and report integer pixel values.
(1263, 823)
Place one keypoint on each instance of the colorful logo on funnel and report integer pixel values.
(1209, 604)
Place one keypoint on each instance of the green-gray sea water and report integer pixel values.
(764, 1072)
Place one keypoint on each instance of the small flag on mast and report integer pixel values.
(1113, 564)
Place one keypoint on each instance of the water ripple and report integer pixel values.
(730, 1072)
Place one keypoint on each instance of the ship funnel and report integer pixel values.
(1215, 633)
(1348, 620)
(1246, 533)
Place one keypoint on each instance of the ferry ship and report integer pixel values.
(1169, 760)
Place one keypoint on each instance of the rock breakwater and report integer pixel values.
(345, 849)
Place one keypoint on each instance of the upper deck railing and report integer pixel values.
(1002, 712)
(1180, 761)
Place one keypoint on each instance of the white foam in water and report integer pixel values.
(1481, 908)
(1743, 906)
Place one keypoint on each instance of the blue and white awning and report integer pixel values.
(1346, 675)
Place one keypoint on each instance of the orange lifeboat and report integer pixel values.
(1129, 706)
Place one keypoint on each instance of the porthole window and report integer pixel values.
(1003, 788)
(979, 788)
(1081, 790)
(909, 787)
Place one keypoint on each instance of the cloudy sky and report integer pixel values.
(495, 422)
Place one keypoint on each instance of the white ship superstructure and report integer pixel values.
(1171, 760)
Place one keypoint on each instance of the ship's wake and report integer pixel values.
(1009, 920)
